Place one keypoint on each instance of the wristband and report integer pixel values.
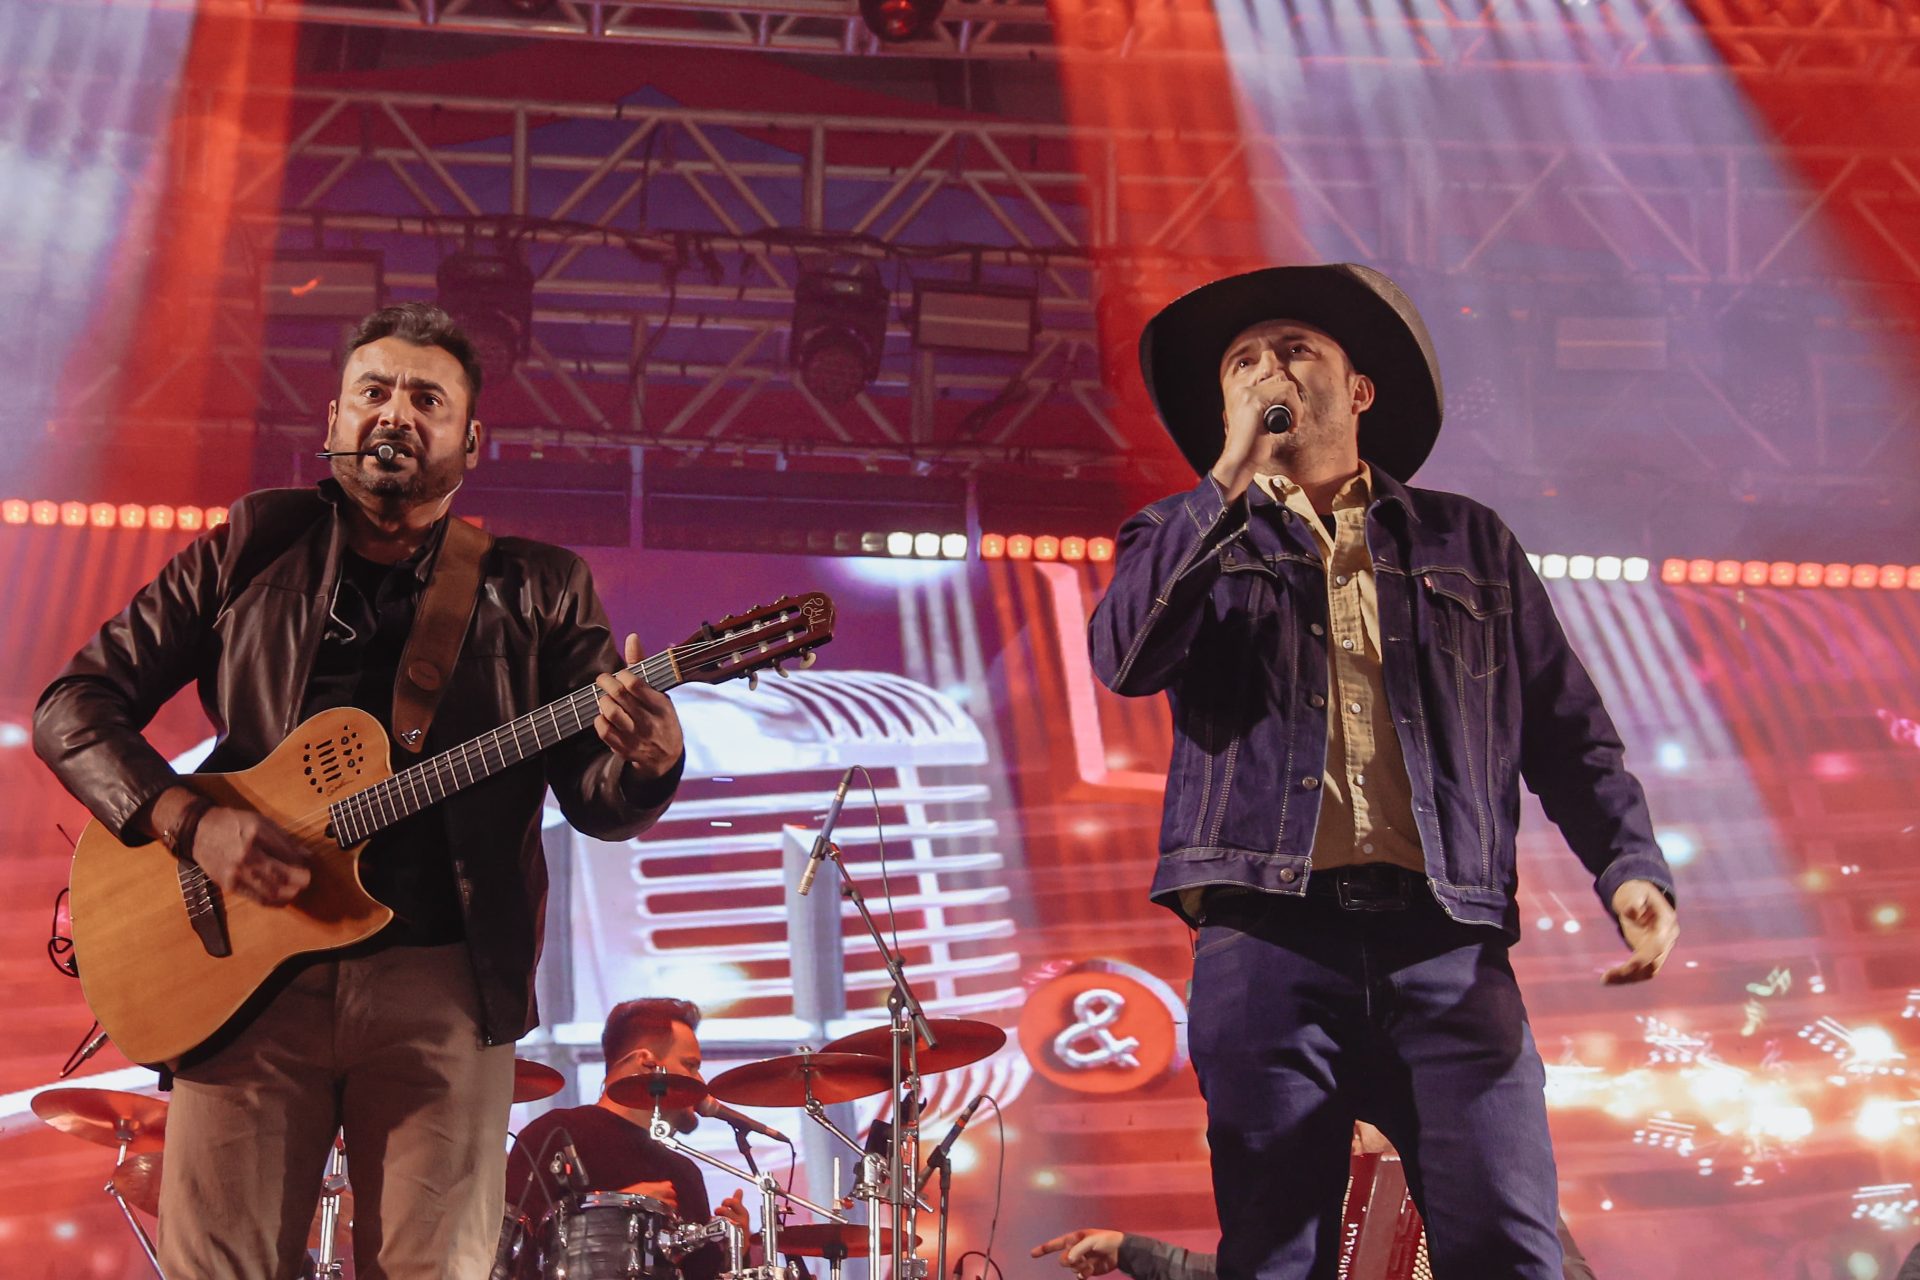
(179, 837)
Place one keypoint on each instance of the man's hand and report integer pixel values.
(734, 1210)
(1648, 922)
(246, 854)
(637, 721)
(1248, 440)
(661, 1191)
(1090, 1251)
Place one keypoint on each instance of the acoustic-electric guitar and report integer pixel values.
(166, 958)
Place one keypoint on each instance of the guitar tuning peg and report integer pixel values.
(780, 669)
(753, 681)
(808, 659)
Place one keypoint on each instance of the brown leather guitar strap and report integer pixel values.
(439, 625)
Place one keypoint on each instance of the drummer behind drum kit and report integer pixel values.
(610, 1235)
(588, 1235)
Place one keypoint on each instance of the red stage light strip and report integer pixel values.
(1044, 546)
(1788, 573)
(108, 515)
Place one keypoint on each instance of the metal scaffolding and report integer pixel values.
(1853, 40)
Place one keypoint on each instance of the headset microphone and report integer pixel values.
(384, 452)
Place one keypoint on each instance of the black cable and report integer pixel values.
(60, 945)
(79, 1054)
(999, 1182)
(999, 1187)
(880, 841)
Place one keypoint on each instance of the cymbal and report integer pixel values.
(963, 1042)
(137, 1179)
(832, 1239)
(105, 1116)
(533, 1081)
(637, 1091)
(783, 1082)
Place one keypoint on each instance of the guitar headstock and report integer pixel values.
(749, 642)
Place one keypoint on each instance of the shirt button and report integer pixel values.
(1316, 701)
(1354, 707)
(1317, 629)
(1346, 644)
(1366, 848)
(1288, 875)
(1359, 779)
(1341, 580)
(1309, 783)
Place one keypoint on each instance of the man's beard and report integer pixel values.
(427, 482)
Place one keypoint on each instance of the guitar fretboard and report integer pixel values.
(364, 813)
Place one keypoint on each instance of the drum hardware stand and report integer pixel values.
(123, 1132)
(770, 1193)
(938, 1164)
(903, 1153)
(327, 1266)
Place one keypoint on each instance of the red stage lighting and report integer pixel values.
(1046, 547)
(1073, 548)
(1100, 549)
(896, 20)
(992, 546)
(16, 511)
(1019, 547)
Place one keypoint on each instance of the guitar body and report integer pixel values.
(147, 972)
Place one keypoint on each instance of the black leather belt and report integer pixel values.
(1371, 886)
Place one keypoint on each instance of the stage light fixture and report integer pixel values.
(327, 285)
(839, 328)
(974, 318)
(896, 20)
(489, 294)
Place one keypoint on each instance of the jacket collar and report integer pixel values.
(421, 561)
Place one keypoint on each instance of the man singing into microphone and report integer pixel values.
(610, 1143)
(1361, 675)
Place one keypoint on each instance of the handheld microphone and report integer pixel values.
(384, 452)
(714, 1109)
(823, 841)
(1279, 419)
(939, 1157)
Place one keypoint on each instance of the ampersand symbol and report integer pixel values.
(1097, 1009)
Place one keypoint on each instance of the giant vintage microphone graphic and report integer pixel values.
(824, 840)
(1279, 419)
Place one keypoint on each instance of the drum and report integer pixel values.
(514, 1257)
(607, 1235)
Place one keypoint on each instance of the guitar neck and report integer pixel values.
(366, 813)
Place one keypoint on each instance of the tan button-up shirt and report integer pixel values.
(1366, 799)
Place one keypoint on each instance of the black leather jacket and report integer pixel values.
(240, 612)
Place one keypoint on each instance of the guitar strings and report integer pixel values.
(421, 776)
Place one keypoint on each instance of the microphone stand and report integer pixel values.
(769, 1187)
(907, 1018)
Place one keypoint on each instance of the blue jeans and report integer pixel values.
(1305, 1016)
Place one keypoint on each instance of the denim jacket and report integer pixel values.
(1224, 606)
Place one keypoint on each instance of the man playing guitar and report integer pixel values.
(303, 602)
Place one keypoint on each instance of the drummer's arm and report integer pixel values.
(663, 1191)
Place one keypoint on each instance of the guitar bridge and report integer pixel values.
(204, 910)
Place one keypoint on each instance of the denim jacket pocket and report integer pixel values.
(1471, 619)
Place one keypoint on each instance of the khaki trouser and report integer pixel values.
(386, 1046)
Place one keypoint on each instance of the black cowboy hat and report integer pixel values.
(1361, 309)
